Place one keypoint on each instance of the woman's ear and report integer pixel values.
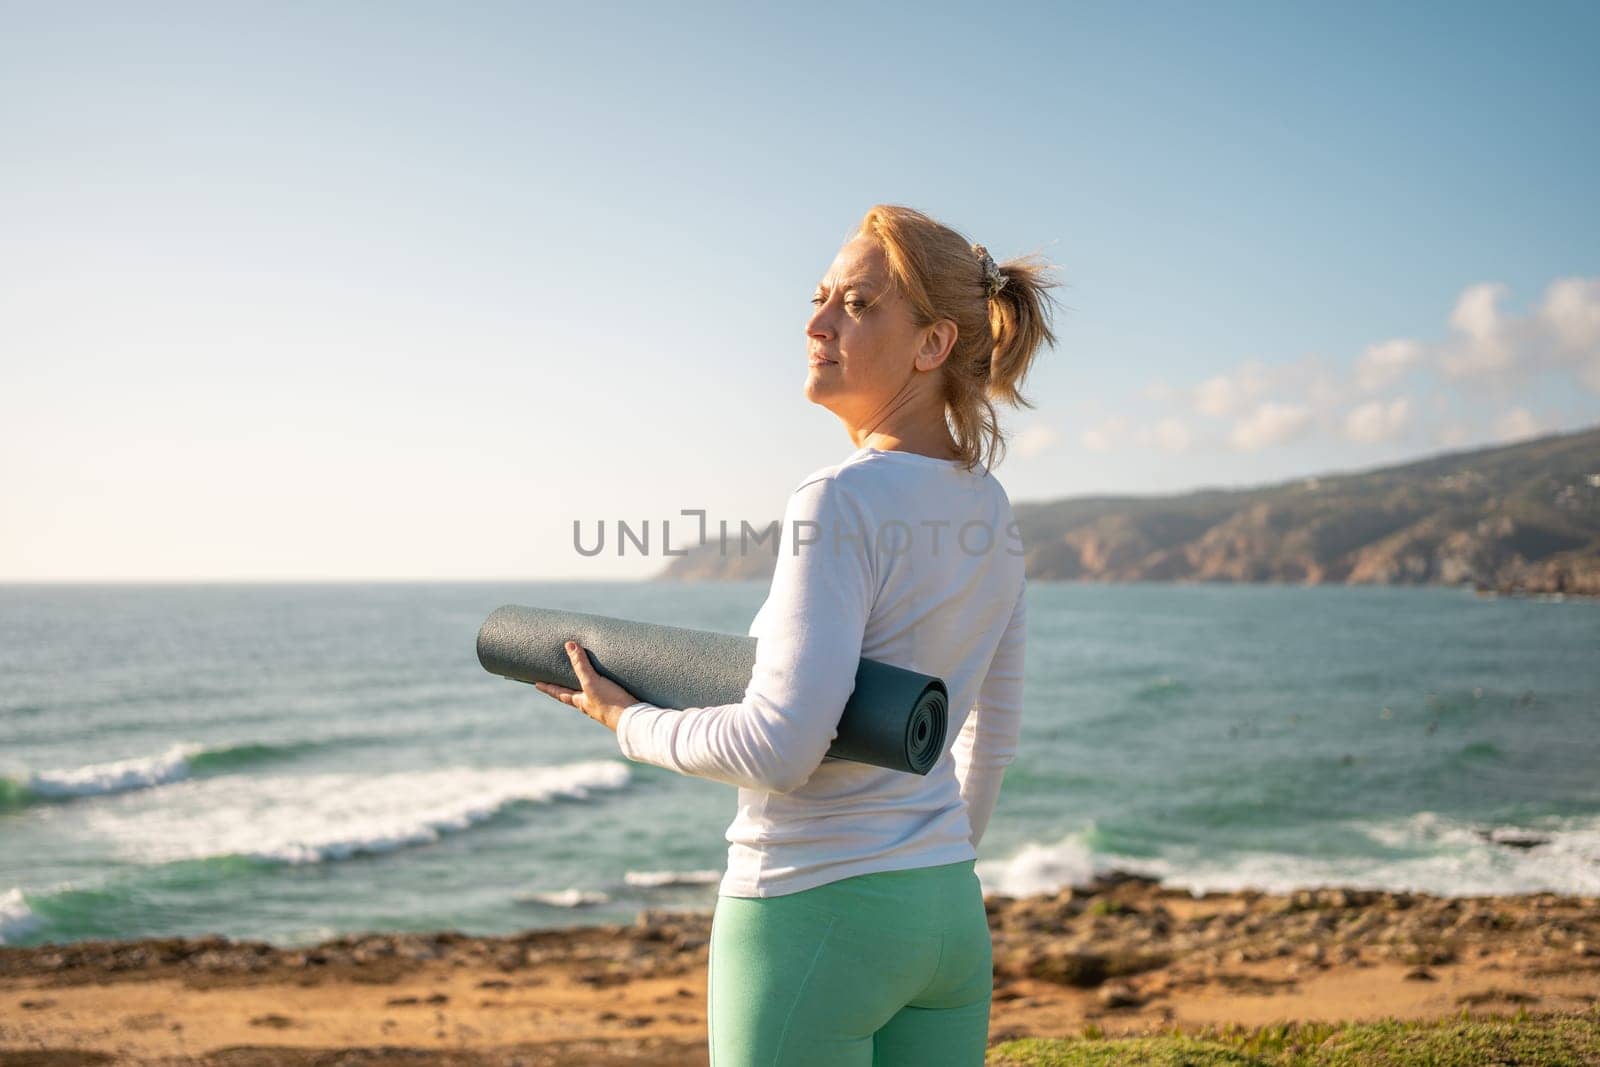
(937, 342)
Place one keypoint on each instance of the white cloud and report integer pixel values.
(1377, 421)
(1516, 424)
(1096, 440)
(1159, 392)
(1102, 436)
(1483, 345)
(1384, 363)
(1476, 313)
(1170, 435)
(1325, 392)
(1228, 394)
(1571, 315)
(1271, 423)
(1033, 440)
(1486, 350)
(1498, 349)
(1245, 386)
(1571, 312)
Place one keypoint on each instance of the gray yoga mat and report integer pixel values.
(895, 718)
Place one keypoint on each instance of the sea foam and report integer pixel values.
(16, 918)
(568, 898)
(1039, 867)
(1427, 853)
(318, 817)
(115, 776)
(176, 763)
(656, 879)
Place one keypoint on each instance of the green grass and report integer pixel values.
(1545, 1040)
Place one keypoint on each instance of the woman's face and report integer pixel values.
(862, 344)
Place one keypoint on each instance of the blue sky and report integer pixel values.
(404, 290)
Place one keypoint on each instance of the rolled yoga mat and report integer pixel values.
(895, 718)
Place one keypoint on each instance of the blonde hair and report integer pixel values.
(942, 277)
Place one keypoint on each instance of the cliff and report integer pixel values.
(1523, 517)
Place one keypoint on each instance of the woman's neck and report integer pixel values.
(937, 446)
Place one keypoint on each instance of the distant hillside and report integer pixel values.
(1513, 518)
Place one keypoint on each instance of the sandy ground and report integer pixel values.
(1122, 954)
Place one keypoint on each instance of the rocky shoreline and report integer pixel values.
(1122, 953)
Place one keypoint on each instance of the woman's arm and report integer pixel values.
(823, 589)
(988, 739)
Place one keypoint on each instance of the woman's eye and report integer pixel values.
(856, 305)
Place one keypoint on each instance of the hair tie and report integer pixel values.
(993, 280)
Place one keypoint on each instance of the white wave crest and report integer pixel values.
(1431, 853)
(1459, 857)
(568, 898)
(1039, 868)
(16, 918)
(655, 879)
(116, 776)
(319, 817)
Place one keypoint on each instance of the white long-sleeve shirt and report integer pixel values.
(893, 556)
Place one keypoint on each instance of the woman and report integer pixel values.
(850, 927)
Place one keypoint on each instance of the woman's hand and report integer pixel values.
(600, 698)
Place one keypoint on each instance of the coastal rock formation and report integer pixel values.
(1520, 518)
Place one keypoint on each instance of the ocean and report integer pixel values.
(292, 762)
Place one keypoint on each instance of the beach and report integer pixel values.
(330, 837)
(1121, 954)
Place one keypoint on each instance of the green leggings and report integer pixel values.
(877, 970)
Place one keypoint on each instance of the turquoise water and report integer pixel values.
(289, 762)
